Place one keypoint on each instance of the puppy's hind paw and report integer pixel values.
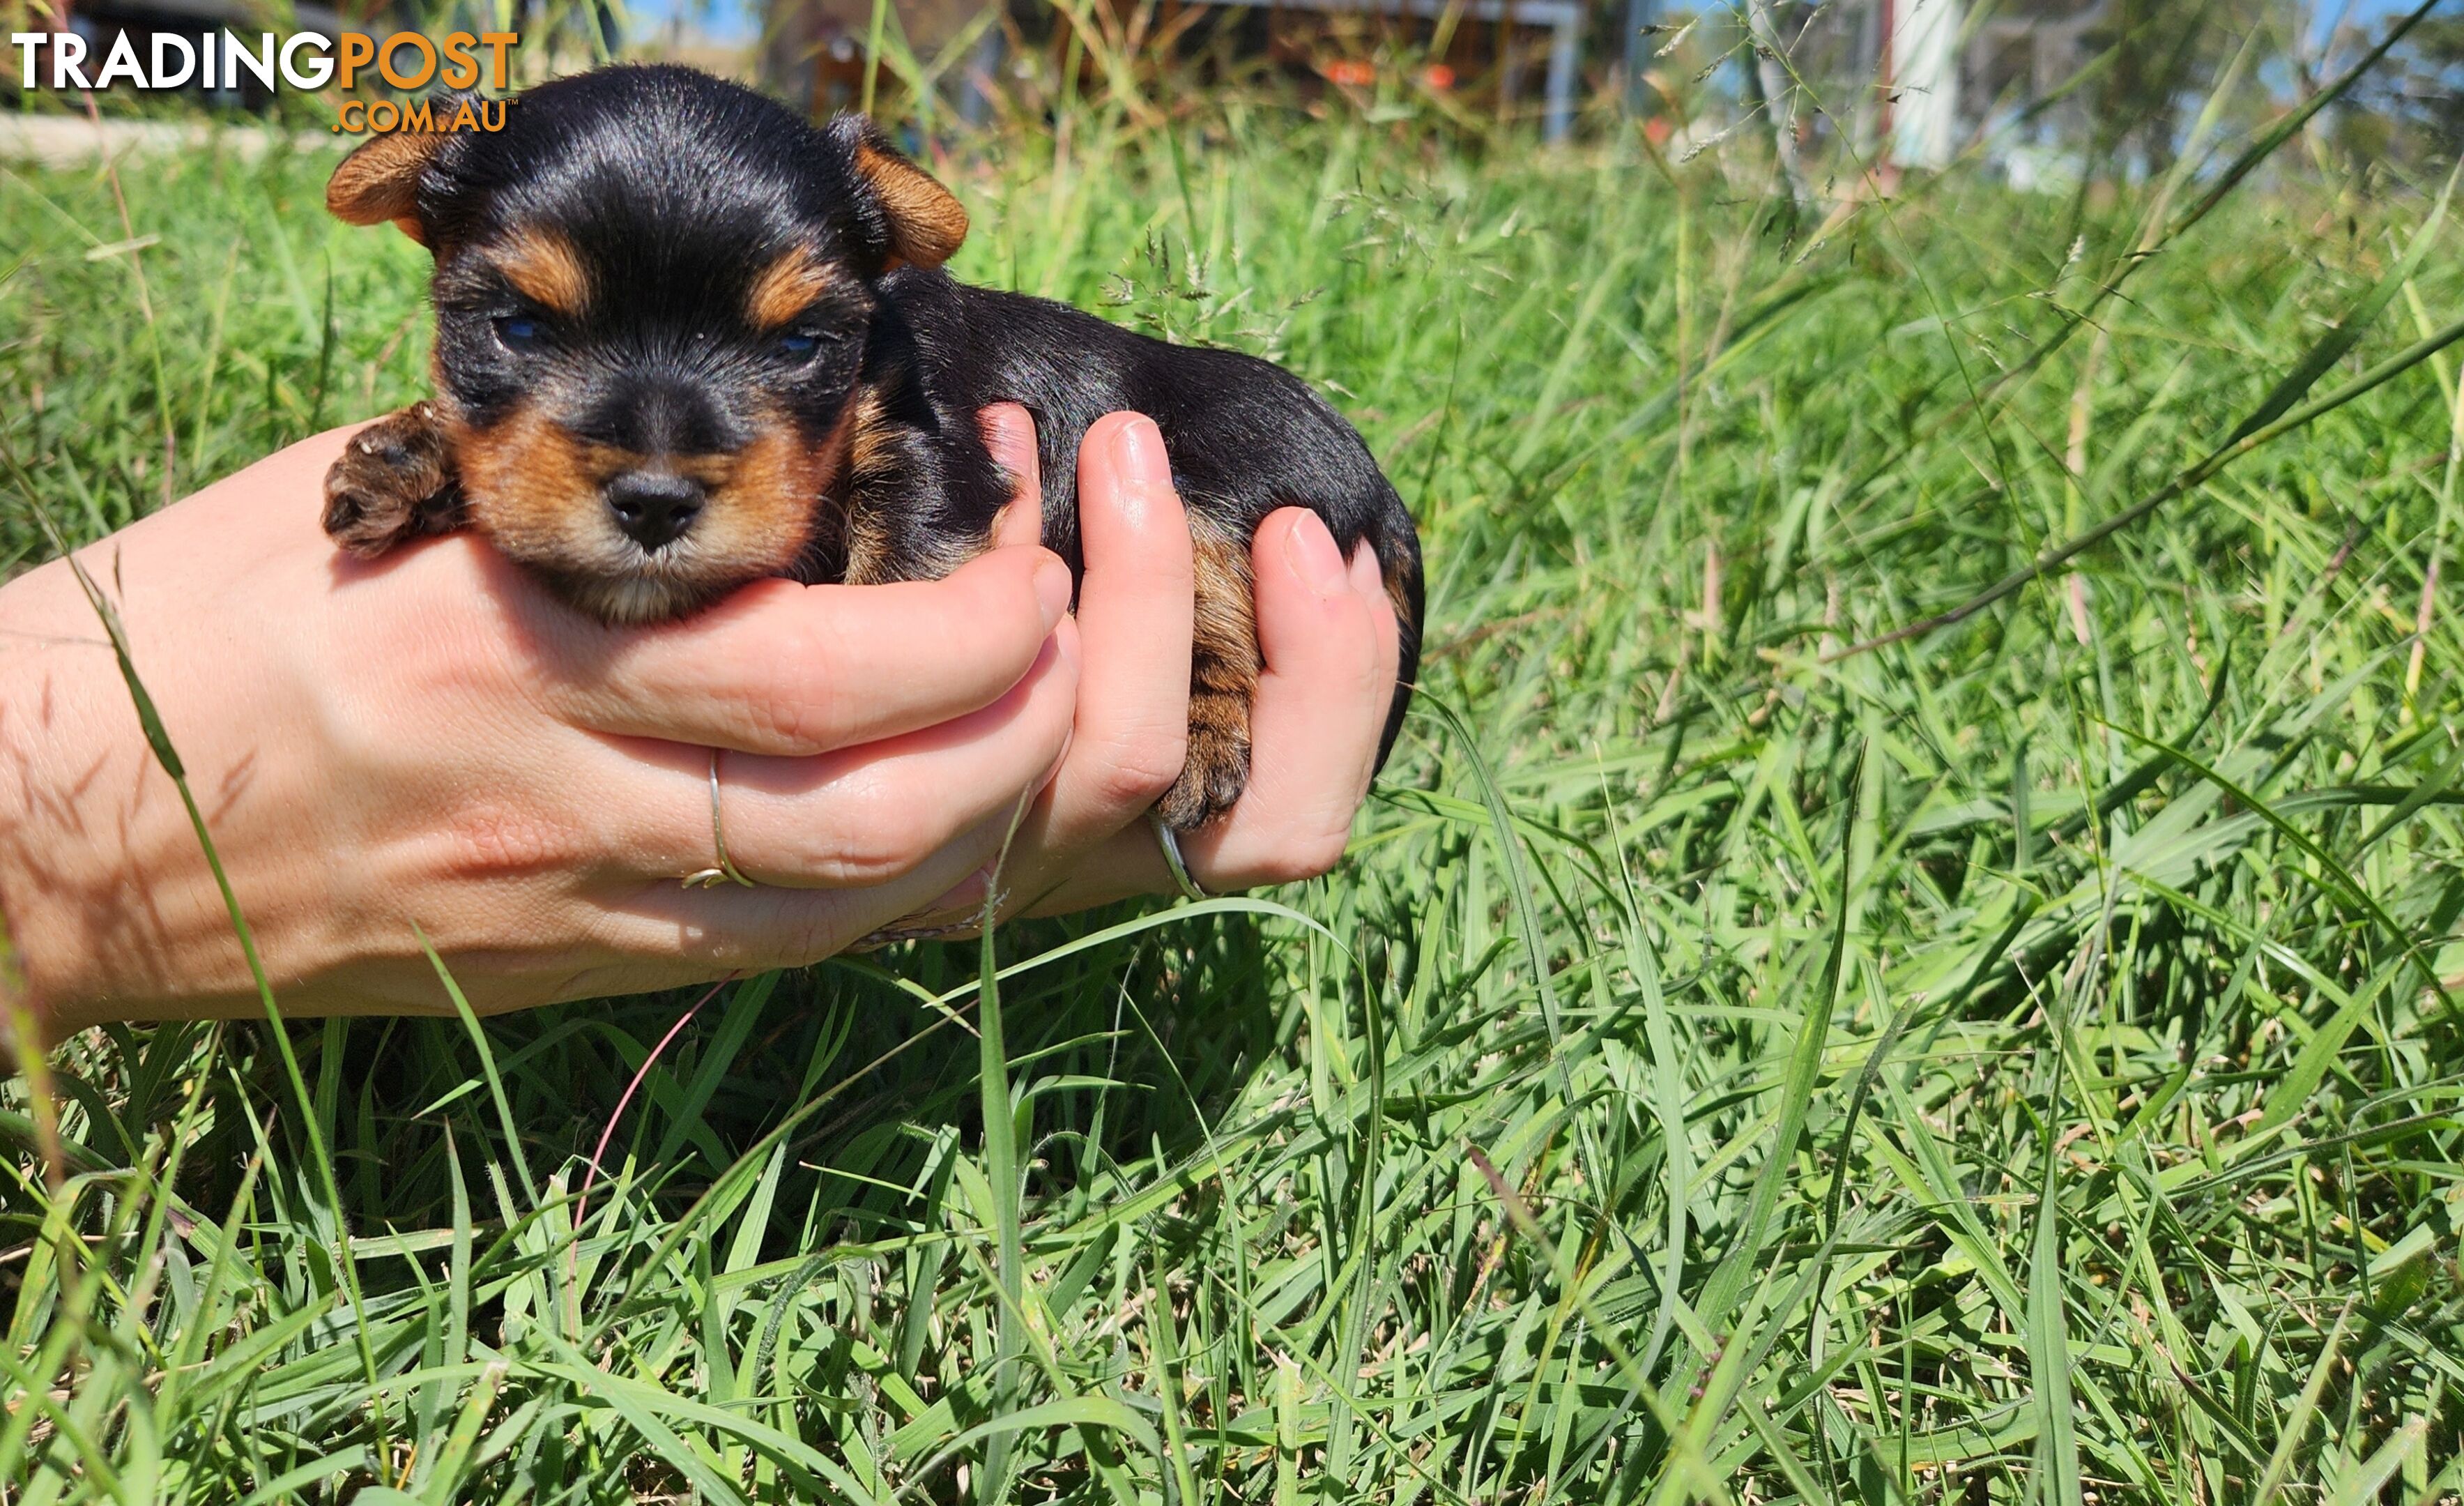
(1215, 769)
(1222, 676)
(395, 482)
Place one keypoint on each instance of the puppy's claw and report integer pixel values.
(394, 482)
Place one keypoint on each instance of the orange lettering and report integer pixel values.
(359, 50)
(461, 68)
(427, 61)
(498, 69)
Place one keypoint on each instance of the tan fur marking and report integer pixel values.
(868, 549)
(874, 549)
(534, 489)
(927, 224)
(787, 287)
(1224, 665)
(761, 514)
(379, 180)
(1398, 592)
(528, 478)
(870, 434)
(543, 267)
(1223, 644)
(871, 455)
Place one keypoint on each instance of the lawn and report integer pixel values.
(2017, 1061)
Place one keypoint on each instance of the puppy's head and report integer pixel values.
(654, 294)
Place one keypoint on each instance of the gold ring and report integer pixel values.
(1172, 858)
(725, 871)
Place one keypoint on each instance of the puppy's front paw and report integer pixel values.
(394, 482)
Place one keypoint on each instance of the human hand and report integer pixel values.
(1330, 639)
(432, 738)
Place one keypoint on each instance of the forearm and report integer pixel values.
(106, 895)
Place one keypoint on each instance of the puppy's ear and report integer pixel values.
(379, 180)
(909, 216)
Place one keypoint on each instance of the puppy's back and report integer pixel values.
(1245, 436)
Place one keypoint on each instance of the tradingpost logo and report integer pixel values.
(306, 60)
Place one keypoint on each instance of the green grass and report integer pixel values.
(2016, 1063)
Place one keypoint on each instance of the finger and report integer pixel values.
(665, 935)
(1369, 583)
(1327, 634)
(864, 816)
(1134, 622)
(1314, 744)
(1135, 616)
(1128, 862)
(779, 668)
(565, 860)
(1010, 432)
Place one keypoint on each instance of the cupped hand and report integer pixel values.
(1329, 637)
(434, 740)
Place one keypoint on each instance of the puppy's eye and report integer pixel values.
(805, 342)
(520, 332)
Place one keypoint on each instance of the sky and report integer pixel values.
(2365, 13)
(720, 20)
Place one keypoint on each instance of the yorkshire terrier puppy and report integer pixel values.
(685, 339)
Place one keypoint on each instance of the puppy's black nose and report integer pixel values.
(654, 508)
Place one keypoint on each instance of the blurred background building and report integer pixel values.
(2045, 86)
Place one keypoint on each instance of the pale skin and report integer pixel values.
(432, 745)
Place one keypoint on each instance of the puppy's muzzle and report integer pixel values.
(654, 507)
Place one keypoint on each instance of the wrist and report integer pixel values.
(17, 894)
(110, 907)
(48, 729)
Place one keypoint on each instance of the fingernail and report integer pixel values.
(1052, 590)
(1367, 577)
(1012, 440)
(1137, 448)
(1314, 558)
